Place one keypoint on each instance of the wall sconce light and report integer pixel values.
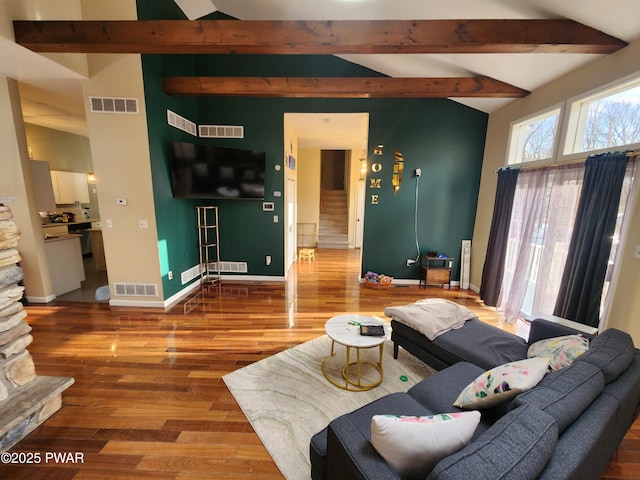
(363, 165)
(398, 168)
(378, 149)
(91, 178)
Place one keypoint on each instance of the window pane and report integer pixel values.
(609, 120)
(534, 139)
(613, 121)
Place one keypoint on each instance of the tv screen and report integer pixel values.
(205, 171)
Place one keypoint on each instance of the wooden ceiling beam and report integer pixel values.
(314, 37)
(352, 87)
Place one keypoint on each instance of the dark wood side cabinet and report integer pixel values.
(436, 271)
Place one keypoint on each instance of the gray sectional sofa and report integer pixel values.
(566, 427)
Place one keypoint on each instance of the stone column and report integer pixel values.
(26, 399)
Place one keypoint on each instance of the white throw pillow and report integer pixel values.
(502, 383)
(414, 445)
(561, 351)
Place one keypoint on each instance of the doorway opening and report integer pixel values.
(333, 222)
(329, 149)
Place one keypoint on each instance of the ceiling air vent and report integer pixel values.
(136, 289)
(114, 105)
(221, 131)
(181, 123)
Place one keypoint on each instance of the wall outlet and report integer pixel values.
(267, 259)
(170, 275)
(143, 224)
(410, 261)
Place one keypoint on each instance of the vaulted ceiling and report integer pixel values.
(470, 57)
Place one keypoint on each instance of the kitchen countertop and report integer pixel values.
(56, 224)
(58, 238)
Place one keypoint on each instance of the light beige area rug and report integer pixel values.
(287, 399)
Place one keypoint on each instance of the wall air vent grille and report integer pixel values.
(190, 274)
(230, 267)
(114, 105)
(136, 289)
(221, 131)
(181, 123)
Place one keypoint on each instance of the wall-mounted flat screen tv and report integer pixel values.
(205, 171)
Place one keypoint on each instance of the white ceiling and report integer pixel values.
(330, 131)
(52, 94)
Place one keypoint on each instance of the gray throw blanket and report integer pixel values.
(431, 316)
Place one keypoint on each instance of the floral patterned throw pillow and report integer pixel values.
(502, 383)
(561, 351)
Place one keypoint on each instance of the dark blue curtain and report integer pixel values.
(493, 269)
(590, 247)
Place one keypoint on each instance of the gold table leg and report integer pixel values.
(354, 386)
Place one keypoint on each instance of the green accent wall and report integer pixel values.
(443, 138)
(446, 141)
(175, 218)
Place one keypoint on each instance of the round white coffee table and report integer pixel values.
(345, 330)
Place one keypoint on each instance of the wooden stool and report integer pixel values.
(307, 253)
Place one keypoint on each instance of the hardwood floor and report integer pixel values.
(148, 400)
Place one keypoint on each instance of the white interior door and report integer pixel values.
(360, 192)
(291, 247)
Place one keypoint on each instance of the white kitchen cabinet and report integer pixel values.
(64, 258)
(69, 187)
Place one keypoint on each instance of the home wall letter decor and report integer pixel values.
(375, 183)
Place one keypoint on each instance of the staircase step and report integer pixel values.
(333, 227)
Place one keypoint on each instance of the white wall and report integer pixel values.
(290, 204)
(16, 182)
(16, 174)
(309, 188)
(122, 164)
(625, 308)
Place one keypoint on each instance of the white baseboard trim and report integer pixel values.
(409, 281)
(136, 303)
(252, 278)
(401, 281)
(173, 299)
(168, 303)
(47, 299)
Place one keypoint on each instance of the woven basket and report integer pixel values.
(377, 285)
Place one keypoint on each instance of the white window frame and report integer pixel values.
(576, 108)
(515, 142)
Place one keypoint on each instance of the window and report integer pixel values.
(534, 138)
(546, 198)
(542, 219)
(605, 120)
